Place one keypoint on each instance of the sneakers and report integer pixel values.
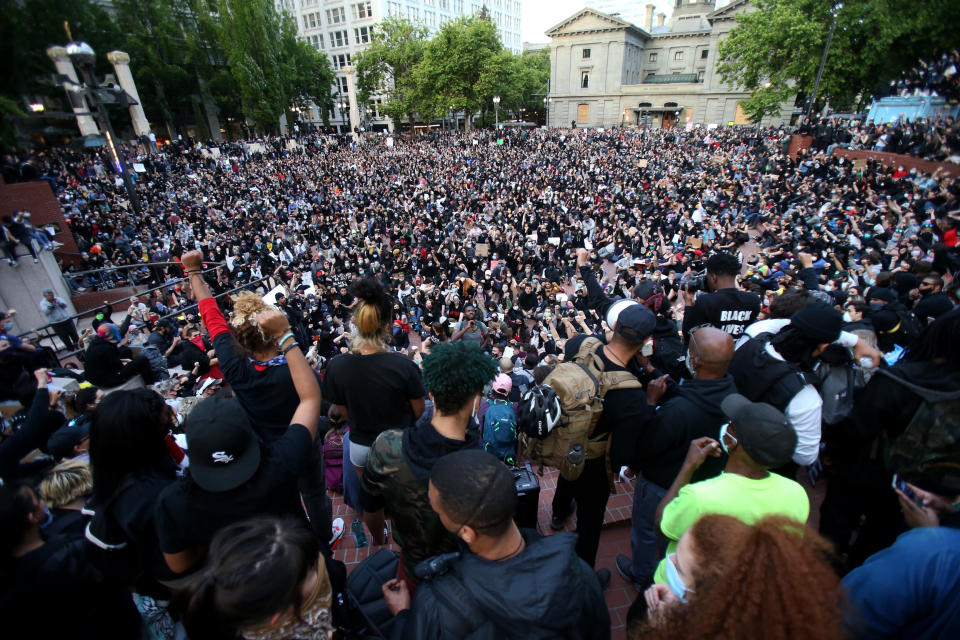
(557, 523)
(625, 568)
(336, 533)
(36, 260)
(603, 575)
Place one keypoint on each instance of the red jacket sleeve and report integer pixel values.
(212, 317)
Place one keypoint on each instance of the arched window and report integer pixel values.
(670, 104)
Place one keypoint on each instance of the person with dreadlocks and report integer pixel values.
(398, 465)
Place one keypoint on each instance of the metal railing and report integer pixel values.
(47, 332)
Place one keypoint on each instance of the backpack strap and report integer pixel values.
(614, 380)
(455, 597)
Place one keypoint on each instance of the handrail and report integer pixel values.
(139, 265)
(179, 311)
(219, 295)
(118, 300)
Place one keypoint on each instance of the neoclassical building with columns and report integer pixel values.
(605, 71)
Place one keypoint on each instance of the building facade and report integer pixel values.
(342, 28)
(606, 71)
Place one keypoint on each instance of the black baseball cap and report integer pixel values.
(635, 322)
(63, 440)
(224, 451)
(763, 431)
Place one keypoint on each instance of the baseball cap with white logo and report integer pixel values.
(224, 450)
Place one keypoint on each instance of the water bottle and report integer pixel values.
(576, 455)
(358, 535)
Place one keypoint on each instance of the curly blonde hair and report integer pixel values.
(243, 322)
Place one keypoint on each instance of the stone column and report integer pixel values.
(121, 64)
(351, 73)
(85, 120)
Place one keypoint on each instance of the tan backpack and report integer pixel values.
(580, 385)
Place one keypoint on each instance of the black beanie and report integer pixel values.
(818, 321)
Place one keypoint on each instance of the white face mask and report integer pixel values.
(846, 316)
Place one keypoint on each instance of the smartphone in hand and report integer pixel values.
(899, 483)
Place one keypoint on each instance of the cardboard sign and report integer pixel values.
(696, 243)
(389, 142)
(642, 163)
(483, 249)
(271, 296)
(139, 168)
(555, 241)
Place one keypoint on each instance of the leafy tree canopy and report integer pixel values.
(775, 50)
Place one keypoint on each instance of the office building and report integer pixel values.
(343, 28)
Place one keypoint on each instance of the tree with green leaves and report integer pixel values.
(157, 37)
(774, 51)
(521, 81)
(272, 68)
(453, 67)
(385, 68)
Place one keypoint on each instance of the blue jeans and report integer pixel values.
(351, 481)
(646, 545)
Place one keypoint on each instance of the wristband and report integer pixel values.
(286, 337)
(292, 345)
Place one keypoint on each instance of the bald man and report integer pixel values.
(693, 412)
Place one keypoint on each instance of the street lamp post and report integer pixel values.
(83, 56)
(823, 60)
(496, 111)
(343, 110)
(453, 124)
(546, 112)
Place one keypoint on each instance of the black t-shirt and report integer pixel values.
(376, 390)
(731, 310)
(187, 516)
(266, 393)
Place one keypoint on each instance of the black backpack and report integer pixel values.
(762, 378)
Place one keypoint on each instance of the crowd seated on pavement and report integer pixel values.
(764, 324)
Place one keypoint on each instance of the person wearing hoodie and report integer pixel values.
(693, 412)
(508, 582)
(104, 366)
(400, 460)
(859, 493)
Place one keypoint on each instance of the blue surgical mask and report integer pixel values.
(46, 523)
(674, 580)
(723, 435)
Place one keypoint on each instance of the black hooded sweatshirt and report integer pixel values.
(694, 412)
(546, 591)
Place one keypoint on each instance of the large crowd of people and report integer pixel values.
(755, 323)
